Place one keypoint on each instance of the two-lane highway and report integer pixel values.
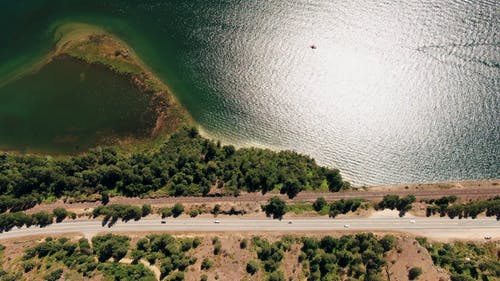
(442, 226)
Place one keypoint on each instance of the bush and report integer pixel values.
(54, 275)
(193, 213)
(146, 210)
(252, 267)
(60, 214)
(42, 218)
(166, 212)
(217, 248)
(414, 273)
(319, 204)
(243, 244)
(177, 210)
(206, 264)
(28, 265)
(276, 276)
(216, 210)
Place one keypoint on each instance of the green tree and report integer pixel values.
(60, 214)
(146, 210)
(177, 210)
(110, 245)
(42, 218)
(276, 208)
(319, 204)
(104, 197)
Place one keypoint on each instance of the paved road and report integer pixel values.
(482, 226)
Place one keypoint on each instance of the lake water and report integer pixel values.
(395, 91)
(69, 107)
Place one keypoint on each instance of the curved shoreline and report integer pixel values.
(92, 45)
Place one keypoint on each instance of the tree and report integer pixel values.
(319, 204)
(291, 187)
(104, 197)
(177, 210)
(276, 276)
(60, 214)
(110, 245)
(216, 209)
(146, 210)
(276, 208)
(414, 273)
(42, 218)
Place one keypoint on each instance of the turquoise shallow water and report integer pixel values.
(399, 91)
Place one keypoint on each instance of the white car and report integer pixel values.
(412, 221)
(217, 221)
(346, 226)
(487, 237)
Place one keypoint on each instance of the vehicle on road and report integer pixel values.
(289, 222)
(487, 237)
(412, 221)
(163, 222)
(217, 221)
(346, 226)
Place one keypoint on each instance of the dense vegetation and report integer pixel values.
(359, 256)
(167, 252)
(42, 218)
(81, 257)
(113, 212)
(465, 261)
(402, 204)
(344, 206)
(186, 164)
(447, 206)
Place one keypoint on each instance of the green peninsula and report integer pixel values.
(91, 90)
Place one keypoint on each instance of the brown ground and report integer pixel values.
(410, 254)
(230, 263)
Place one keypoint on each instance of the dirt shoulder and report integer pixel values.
(464, 190)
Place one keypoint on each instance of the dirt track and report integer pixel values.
(465, 190)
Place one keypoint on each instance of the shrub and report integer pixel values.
(319, 204)
(177, 210)
(146, 210)
(243, 244)
(60, 214)
(193, 213)
(206, 264)
(252, 267)
(217, 248)
(28, 265)
(54, 275)
(414, 273)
